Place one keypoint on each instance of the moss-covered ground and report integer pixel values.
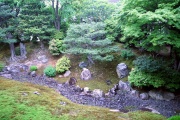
(18, 102)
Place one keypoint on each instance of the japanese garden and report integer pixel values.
(89, 59)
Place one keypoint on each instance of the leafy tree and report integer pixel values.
(151, 25)
(63, 10)
(90, 40)
(7, 26)
(95, 10)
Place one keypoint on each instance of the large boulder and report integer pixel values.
(122, 70)
(161, 95)
(97, 93)
(85, 74)
(125, 86)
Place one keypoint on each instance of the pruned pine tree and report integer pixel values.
(7, 26)
(90, 40)
(35, 21)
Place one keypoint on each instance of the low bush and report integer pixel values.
(63, 64)
(2, 65)
(50, 71)
(176, 117)
(148, 64)
(59, 35)
(127, 54)
(56, 46)
(33, 68)
(154, 73)
(143, 79)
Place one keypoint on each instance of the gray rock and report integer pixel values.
(33, 73)
(78, 89)
(97, 93)
(86, 90)
(37, 93)
(108, 82)
(144, 96)
(85, 74)
(122, 70)
(152, 110)
(83, 64)
(161, 95)
(7, 76)
(125, 86)
(42, 57)
(135, 93)
(72, 81)
(44, 60)
(25, 67)
(67, 73)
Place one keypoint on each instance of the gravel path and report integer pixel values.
(122, 100)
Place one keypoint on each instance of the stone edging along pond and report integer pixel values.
(122, 100)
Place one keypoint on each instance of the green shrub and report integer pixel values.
(17, 51)
(176, 117)
(63, 64)
(168, 79)
(33, 68)
(59, 35)
(56, 46)
(127, 54)
(148, 64)
(143, 79)
(2, 65)
(50, 71)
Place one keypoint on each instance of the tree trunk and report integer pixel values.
(12, 49)
(23, 50)
(57, 22)
(176, 61)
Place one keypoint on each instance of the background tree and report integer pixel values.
(35, 21)
(95, 10)
(151, 25)
(8, 24)
(90, 40)
(63, 11)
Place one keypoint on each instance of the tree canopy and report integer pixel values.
(150, 25)
(89, 39)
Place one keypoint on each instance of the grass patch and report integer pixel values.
(18, 102)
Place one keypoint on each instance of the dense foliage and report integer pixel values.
(149, 72)
(50, 71)
(90, 40)
(176, 117)
(56, 46)
(95, 10)
(35, 21)
(151, 25)
(127, 54)
(63, 64)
